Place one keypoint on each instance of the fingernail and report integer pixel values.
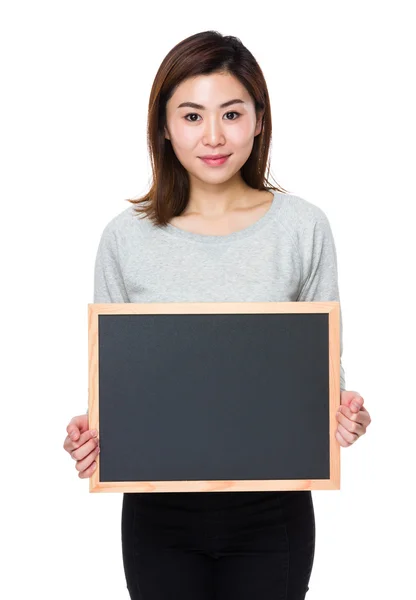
(72, 435)
(355, 405)
(93, 432)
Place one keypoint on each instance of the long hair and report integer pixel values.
(200, 54)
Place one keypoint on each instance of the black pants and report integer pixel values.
(218, 545)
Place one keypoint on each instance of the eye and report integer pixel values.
(233, 112)
(191, 115)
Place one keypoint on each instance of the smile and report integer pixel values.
(215, 162)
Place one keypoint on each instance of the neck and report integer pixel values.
(216, 200)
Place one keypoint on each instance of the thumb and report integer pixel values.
(76, 426)
(352, 399)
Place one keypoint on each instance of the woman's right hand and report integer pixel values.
(82, 444)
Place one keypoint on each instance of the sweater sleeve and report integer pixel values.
(320, 272)
(108, 278)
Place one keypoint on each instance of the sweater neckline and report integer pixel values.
(174, 231)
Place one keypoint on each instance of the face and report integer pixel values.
(209, 129)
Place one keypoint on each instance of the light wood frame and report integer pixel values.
(333, 310)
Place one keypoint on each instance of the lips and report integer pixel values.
(214, 156)
(216, 161)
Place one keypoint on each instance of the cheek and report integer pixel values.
(184, 137)
(241, 137)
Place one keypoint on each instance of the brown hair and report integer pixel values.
(200, 54)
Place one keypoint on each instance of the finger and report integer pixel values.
(82, 465)
(341, 440)
(356, 404)
(344, 410)
(88, 472)
(77, 426)
(349, 437)
(85, 437)
(70, 445)
(362, 417)
(365, 418)
(351, 425)
(74, 433)
(85, 449)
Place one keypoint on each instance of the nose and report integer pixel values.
(213, 131)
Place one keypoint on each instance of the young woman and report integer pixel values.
(213, 229)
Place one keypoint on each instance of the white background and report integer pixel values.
(76, 78)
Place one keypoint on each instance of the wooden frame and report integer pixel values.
(333, 311)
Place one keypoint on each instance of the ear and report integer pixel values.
(167, 134)
(259, 125)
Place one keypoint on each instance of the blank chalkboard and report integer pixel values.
(214, 396)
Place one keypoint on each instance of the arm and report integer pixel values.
(108, 278)
(81, 443)
(319, 268)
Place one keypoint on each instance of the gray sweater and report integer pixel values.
(288, 255)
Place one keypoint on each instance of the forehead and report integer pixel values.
(209, 90)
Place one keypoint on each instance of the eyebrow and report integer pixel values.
(200, 107)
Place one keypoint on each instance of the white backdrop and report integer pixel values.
(75, 80)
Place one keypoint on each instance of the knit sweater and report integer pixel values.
(288, 255)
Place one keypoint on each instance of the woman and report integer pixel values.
(213, 229)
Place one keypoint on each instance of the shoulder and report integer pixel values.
(128, 222)
(299, 214)
(306, 223)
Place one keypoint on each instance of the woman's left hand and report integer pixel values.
(353, 419)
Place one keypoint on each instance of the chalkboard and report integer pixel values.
(214, 396)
